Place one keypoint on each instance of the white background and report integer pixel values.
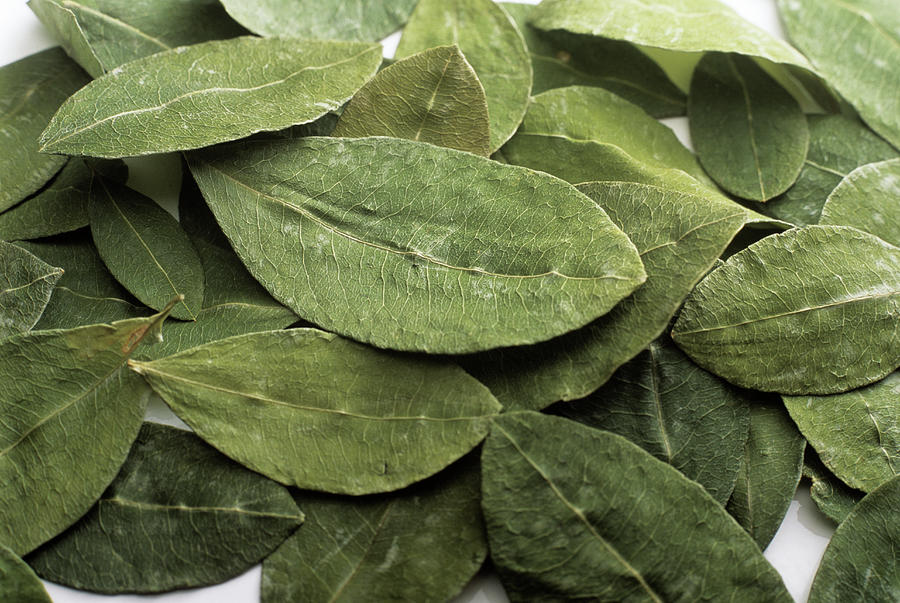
(795, 551)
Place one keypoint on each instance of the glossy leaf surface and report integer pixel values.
(808, 311)
(833, 497)
(178, 515)
(196, 96)
(432, 96)
(868, 199)
(26, 283)
(398, 420)
(447, 252)
(638, 540)
(18, 582)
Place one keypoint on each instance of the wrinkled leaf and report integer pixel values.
(674, 410)
(432, 96)
(178, 515)
(398, 420)
(195, 96)
(415, 247)
(18, 582)
(491, 43)
(868, 199)
(860, 563)
(809, 311)
(749, 132)
(26, 283)
(31, 90)
(574, 512)
(833, 497)
(420, 544)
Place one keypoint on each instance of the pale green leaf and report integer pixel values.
(867, 199)
(18, 582)
(26, 283)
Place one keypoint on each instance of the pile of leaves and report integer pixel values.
(475, 302)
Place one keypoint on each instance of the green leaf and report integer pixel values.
(561, 59)
(574, 512)
(31, 90)
(178, 515)
(415, 247)
(345, 418)
(433, 96)
(103, 34)
(674, 410)
(70, 411)
(840, 36)
(833, 497)
(809, 311)
(865, 451)
(68, 309)
(770, 471)
(682, 25)
(334, 20)
(145, 248)
(837, 146)
(26, 284)
(867, 199)
(749, 132)
(860, 563)
(18, 582)
(491, 43)
(195, 96)
(421, 544)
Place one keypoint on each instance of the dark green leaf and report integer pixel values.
(833, 497)
(18, 583)
(26, 283)
(867, 199)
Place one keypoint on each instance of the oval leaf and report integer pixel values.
(833, 497)
(415, 247)
(300, 421)
(18, 582)
(195, 96)
(867, 199)
(26, 284)
(809, 311)
(433, 96)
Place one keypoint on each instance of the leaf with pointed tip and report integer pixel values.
(839, 36)
(421, 544)
(103, 34)
(397, 421)
(770, 470)
(178, 515)
(195, 96)
(860, 563)
(749, 132)
(18, 582)
(410, 246)
(31, 90)
(433, 96)
(808, 311)
(867, 199)
(491, 43)
(833, 497)
(26, 283)
(574, 512)
(145, 248)
(68, 309)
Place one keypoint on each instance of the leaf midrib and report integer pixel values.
(368, 550)
(124, 502)
(69, 4)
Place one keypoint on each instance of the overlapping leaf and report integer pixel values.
(868, 199)
(833, 497)
(26, 283)
(18, 582)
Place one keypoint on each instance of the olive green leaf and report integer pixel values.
(867, 199)
(574, 512)
(103, 34)
(26, 283)
(301, 421)
(560, 59)
(749, 132)
(433, 96)
(860, 563)
(31, 90)
(808, 311)
(674, 410)
(194, 96)
(362, 20)
(18, 582)
(865, 451)
(421, 544)
(145, 248)
(70, 411)
(178, 515)
(491, 43)
(68, 309)
(682, 25)
(839, 36)
(770, 470)
(837, 146)
(833, 497)
(410, 246)
(60, 207)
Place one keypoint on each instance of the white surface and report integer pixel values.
(795, 551)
